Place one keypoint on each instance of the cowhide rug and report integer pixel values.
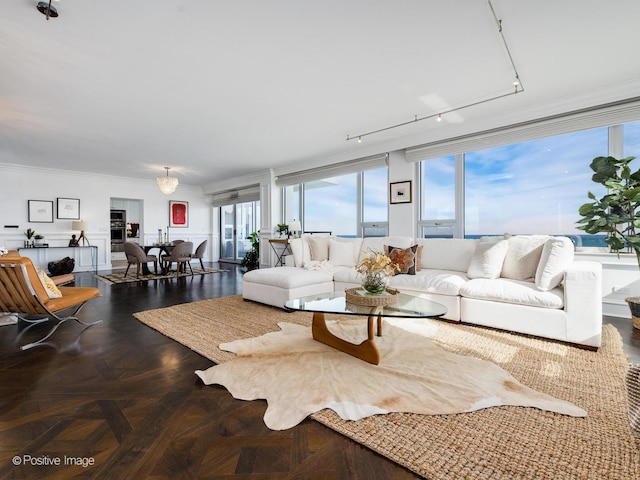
(299, 376)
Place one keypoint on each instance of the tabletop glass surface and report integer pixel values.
(405, 306)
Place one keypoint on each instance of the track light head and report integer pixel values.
(47, 9)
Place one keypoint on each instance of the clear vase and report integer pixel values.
(375, 283)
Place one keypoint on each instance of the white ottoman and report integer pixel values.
(274, 286)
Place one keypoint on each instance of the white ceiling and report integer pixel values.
(217, 90)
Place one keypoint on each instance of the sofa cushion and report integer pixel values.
(346, 275)
(406, 259)
(523, 256)
(447, 253)
(443, 282)
(557, 255)
(488, 258)
(512, 291)
(287, 277)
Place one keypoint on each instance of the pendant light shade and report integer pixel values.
(167, 184)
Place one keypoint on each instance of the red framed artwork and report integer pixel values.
(178, 213)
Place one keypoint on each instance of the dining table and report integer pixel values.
(164, 248)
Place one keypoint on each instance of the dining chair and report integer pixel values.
(199, 253)
(181, 254)
(137, 256)
(23, 294)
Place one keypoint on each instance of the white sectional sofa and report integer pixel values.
(529, 284)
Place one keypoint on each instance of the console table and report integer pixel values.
(84, 256)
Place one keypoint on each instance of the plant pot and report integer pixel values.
(634, 306)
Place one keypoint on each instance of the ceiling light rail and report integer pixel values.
(517, 84)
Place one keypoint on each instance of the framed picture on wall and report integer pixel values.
(178, 213)
(40, 211)
(69, 208)
(400, 192)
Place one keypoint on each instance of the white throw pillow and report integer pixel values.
(488, 258)
(319, 247)
(300, 251)
(341, 253)
(523, 256)
(557, 255)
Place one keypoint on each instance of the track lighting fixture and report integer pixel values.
(47, 9)
(517, 83)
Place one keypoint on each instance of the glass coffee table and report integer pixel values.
(406, 306)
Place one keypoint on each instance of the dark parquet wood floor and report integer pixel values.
(119, 400)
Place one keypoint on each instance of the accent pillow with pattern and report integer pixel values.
(406, 258)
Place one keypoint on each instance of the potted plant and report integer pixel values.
(38, 238)
(282, 229)
(251, 259)
(617, 213)
(29, 233)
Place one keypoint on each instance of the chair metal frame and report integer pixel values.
(16, 289)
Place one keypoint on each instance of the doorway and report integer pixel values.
(126, 219)
(237, 222)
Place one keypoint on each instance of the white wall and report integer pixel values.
(19, 184)
(403, 217)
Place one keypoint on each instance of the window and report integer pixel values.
(631, 147)
(292, 203)
(533, 187)
(237, 222)
(346, 205)
(438, 189)
(375, 201)
(331, 205)
(438, 199)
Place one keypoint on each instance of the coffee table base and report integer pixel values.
(367, 350)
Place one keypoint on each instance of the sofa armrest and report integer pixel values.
(583, 302)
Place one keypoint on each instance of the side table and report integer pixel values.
(280, 247)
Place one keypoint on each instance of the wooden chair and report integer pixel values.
(181, 254)
(199, 253)
(136, 256)
(22, 294)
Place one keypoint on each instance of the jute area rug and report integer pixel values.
(495, 443)
(119, 276)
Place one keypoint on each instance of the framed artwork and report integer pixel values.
(178, 213)
(400, 192)
(69, 208)
(40, 211)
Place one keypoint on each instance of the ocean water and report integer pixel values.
(578, 240)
